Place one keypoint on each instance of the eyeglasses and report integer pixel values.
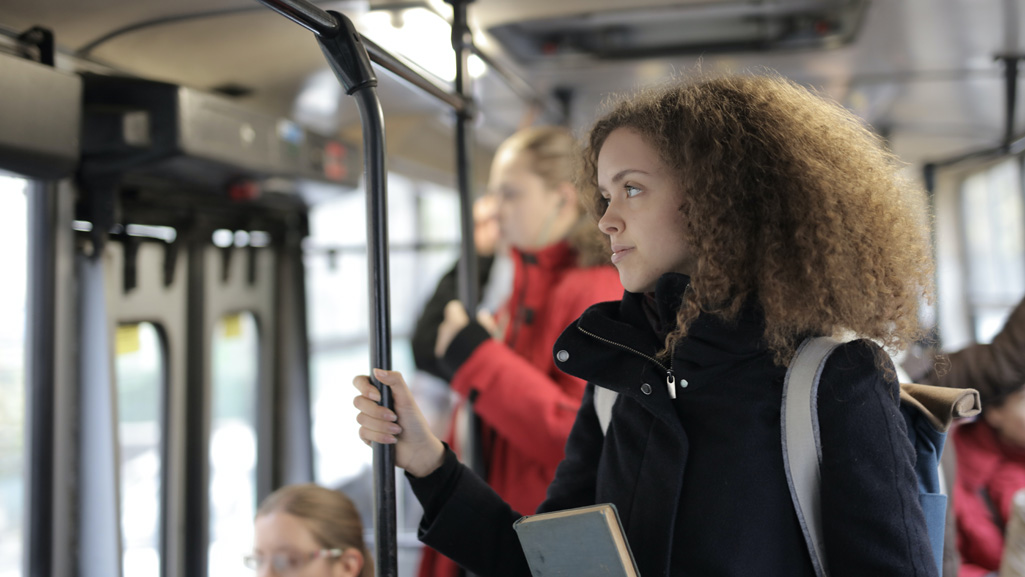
(285, 563)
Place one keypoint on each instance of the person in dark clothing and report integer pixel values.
(744, 214)
(486, 243)
(425, 334)
(492, 255)
(523, 404)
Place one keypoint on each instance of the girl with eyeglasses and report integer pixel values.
(309, 531)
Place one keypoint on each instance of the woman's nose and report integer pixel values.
(610, 222)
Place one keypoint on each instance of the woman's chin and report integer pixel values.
(635, 285)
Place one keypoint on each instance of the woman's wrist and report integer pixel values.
(428, 460)
(462, 347)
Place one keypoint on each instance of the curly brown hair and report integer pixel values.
(790, 201)
(553, 153)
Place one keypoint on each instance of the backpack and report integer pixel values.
(927, 411)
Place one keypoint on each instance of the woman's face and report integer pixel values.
(530, 214)
(643, 218)
(1009, 419)
(284, 546)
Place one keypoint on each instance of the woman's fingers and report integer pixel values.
(486, 320)
(416, 448)
(367, 388)
(378, 424)
(377, 430)
(391, 378)
(455, 319)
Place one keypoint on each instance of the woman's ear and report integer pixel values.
(567, 194)
(349, 564)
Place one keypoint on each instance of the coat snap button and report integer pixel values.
(646, 389)
(562, 355)
(684, 383)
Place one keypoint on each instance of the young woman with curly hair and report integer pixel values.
(745, 214)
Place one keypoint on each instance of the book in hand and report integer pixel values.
(584, 541)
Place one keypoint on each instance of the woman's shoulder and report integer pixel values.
(857, 370)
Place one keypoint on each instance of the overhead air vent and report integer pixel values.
(753, 25)
(40, 114)
(171, 132)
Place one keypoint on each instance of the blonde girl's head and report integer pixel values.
(533, 176)
(301, 518)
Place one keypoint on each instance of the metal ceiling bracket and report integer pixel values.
(1010, 62)
(42, 39)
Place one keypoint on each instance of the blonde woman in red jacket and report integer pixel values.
(525, 404)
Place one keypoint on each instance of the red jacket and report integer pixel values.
(526, 405)
(989, 471)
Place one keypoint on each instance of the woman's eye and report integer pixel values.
(631, 191)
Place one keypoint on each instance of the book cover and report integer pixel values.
(583, 541)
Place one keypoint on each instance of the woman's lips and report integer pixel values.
(620, 252)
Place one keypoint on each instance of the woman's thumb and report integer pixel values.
(394, 380)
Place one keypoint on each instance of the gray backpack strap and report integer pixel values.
(801, 451)
(603, 401)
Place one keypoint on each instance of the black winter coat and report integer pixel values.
(699, 482)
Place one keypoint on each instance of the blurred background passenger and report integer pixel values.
(504, 363)
(309, 531)
(988, 455)
(990, 469)
(494, 281)
(994, 369)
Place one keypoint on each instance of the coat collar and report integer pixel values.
(617, 348)
(556, 256)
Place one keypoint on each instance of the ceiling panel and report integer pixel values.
(919, 67)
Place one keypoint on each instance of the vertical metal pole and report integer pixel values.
(1010, 95)
(351, 64)
(469, 292)
(345, 53)
(1011, 56)
(461, 42)
(372, 118)
(40, 382)
(195, 539)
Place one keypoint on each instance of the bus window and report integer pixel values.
(338, 306)
(439, 217)
(337, 286)
(233, 443)
(140, 371)
(13, 248)
(339, 336)
(994, 245)
(424, 239)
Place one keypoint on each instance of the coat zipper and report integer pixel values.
(670, 377)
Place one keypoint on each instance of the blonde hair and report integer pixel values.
(329, 515)
(790, 203)
(554, 154)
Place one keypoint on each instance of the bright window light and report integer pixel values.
(317, 103)
(421, 36)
